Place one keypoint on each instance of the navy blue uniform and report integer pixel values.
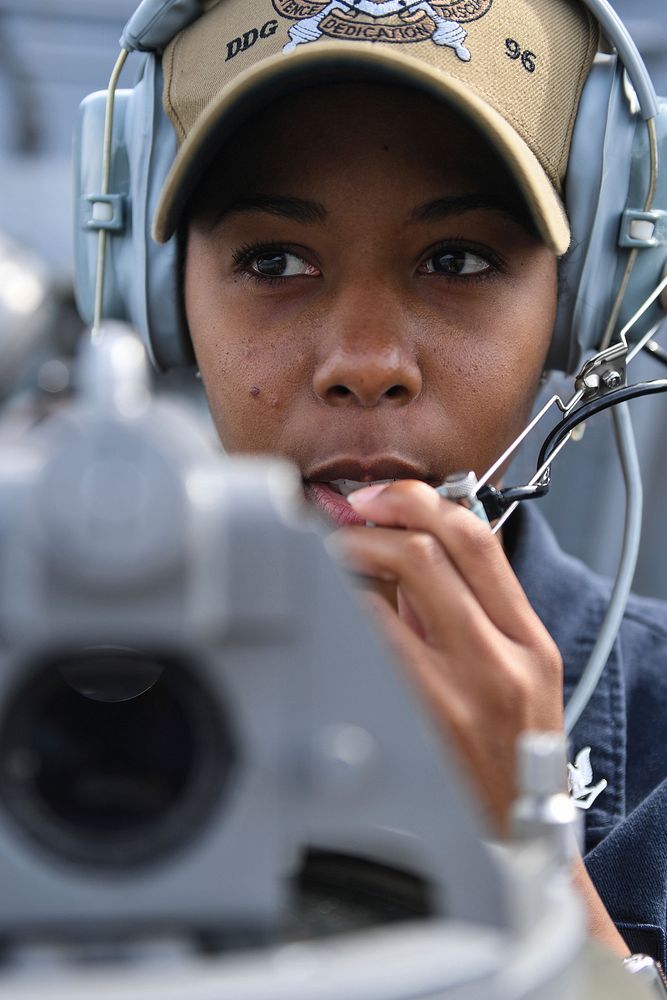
(625, 724)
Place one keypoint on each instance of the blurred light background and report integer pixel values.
(54, 52)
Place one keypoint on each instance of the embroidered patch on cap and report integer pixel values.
(516, 75)
(382, 21)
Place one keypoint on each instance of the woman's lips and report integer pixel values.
(331, 503)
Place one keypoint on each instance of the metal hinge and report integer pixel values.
(604, 372)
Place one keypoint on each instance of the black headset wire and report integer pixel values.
(621, 395)
(497, 501)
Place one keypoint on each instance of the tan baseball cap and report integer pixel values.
(514, 68)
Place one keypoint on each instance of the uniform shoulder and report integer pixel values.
(647, 614)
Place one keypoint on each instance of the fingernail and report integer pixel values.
(367, 493)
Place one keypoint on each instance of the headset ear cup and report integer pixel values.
(141, 278)
(89, 207)
(595, 194)
(152, 274)
(651, 261)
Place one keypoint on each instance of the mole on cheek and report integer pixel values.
(255, 391)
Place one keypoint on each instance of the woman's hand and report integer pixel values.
(487, 667)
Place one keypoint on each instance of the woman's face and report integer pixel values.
(363, 292)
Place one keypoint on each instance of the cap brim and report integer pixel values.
(328, 61)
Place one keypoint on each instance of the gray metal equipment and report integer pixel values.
(206, 754)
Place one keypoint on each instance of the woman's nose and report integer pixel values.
(365, 365)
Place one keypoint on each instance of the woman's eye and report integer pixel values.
(280, 264)
(455, 262)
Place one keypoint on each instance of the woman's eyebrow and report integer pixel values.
(443, 208)
(295, 209)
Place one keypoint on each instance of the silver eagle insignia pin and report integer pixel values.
(579, 778)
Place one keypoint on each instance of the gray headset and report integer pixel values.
(613, 164)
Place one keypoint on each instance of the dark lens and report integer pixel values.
(113, 783)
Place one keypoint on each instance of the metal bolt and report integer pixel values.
(346, 759)
(591, 380)
(612, 379)
(461, 486)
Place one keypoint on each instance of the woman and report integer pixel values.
(370, 223)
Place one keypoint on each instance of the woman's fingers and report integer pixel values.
(466, 540)
(478, 702)
(464, 629)
(438, 598)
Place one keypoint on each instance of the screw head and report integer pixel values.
(345, 760)
(612, 379)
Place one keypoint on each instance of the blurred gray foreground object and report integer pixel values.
(193, 710)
